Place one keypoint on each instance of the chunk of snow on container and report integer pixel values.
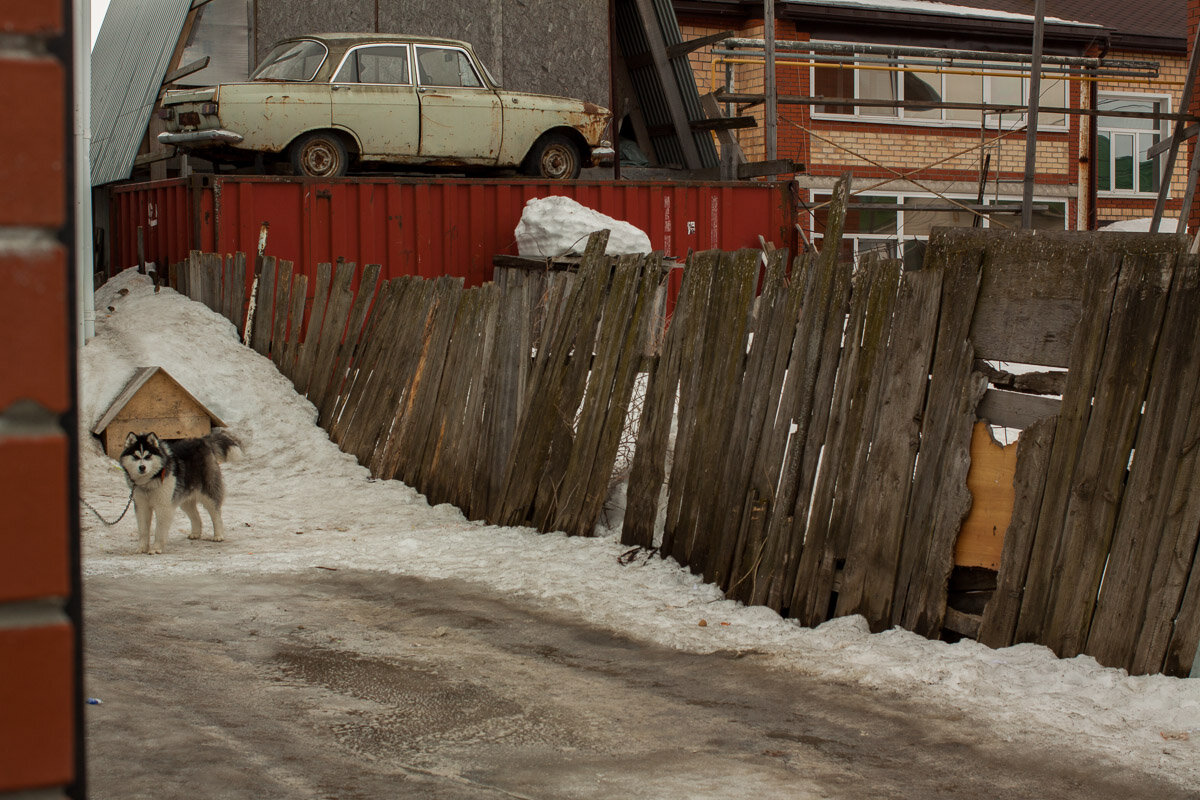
(559, 226)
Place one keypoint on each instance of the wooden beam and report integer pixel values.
(723, 123)
(186, 69)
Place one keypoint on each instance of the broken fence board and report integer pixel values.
(940, 499)
(1033, 457)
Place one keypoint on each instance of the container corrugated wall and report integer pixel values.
(427, 227)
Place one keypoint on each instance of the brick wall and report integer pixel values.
(830, 147)
(40, 703)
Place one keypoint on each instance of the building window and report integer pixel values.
(899, 225)
(1122, 166)
(901, 83)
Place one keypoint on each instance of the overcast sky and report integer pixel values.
(98, 7)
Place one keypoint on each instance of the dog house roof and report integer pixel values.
(139, 380)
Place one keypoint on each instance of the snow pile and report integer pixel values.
(1142, 225)
(296, 502)
(558, 226)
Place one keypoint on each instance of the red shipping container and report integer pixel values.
(423, 226)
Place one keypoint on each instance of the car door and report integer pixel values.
(374, 97)
(460, 114)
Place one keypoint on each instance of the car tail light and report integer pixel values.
(166, 113)
(208, 108)
(189, 118)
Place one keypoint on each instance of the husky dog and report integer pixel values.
(164, 477)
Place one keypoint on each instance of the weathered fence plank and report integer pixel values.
(620, 342)
(307, 356)
(337, 311)
(283, 285)
(299, 296)
(352, 344)
(869, 578)
(264, 308)
(1159, 451)
(715, 386)
(648, 471)
(360, 376)
(239, 293)
(555, 387)
(1098, 479)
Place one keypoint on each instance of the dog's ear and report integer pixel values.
(130, 439)
(152, 439)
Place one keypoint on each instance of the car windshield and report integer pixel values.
(291, 61)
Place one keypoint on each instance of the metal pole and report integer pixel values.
(85, 316)
(1031, 126)
(772, 97)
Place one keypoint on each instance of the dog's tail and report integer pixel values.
(224, 445)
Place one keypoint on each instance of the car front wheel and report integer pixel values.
(556, 157)
(319, 155)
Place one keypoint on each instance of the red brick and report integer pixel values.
(33, 96)
(37, 700)
(34, 517)
(34, 326)
(22, 16)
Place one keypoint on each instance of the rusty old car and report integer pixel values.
(328, 102)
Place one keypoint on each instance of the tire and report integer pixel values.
(319, 155)
(556, 157)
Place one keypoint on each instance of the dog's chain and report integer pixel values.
(118, 519)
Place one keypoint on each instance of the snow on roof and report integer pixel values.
(946, 9)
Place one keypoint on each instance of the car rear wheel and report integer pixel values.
(319, 155)
(556, 157)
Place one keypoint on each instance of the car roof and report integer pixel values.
(343, 38)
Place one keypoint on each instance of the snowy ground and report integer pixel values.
(296, 502)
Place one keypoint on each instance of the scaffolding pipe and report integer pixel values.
(1031, 128)
(944, 53)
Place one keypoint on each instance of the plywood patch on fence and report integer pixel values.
(990, 479)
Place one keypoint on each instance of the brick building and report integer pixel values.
(920, 167)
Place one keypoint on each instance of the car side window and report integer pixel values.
(444, 66)
(385, 64)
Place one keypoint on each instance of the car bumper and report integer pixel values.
(209, 137)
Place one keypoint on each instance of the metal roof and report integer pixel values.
(129, 61)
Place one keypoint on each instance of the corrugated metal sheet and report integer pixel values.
(427, 227)
(129, 60)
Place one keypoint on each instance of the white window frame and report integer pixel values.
(896, 241)
(875, 114)
(1162, 131)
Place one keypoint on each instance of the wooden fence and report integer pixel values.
(807, 426)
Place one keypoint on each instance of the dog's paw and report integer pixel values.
(144, 549)
(218, 538)
(154, 551)
(195, 535)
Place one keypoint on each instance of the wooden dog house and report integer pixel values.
(153, 401)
